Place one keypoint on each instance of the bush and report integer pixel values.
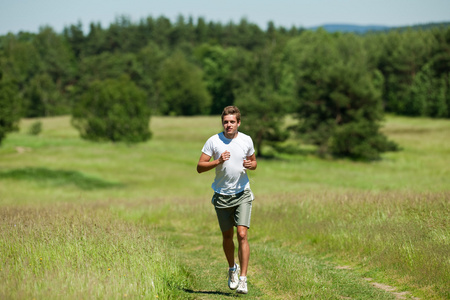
(360, 140)
(35, 128)
(113, 110)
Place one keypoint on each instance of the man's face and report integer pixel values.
(230, 125)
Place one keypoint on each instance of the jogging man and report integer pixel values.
(232, 154)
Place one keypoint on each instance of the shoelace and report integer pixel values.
(241, 284)
(230, 275)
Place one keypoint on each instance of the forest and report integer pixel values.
(332, 83)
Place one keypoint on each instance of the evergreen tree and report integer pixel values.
(124, 36)
(339, 108)
(430, 89)
(264, 111)
(75, 37)
(201, 31)
(264, 98)
(248, 35)
(95, 40)
(440, 64)
(405, 53)
(420, 90)
(10, 106)
(162, 30)
(182, 32)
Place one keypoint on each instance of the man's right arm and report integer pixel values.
(204, 163)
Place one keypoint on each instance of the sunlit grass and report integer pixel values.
(406, 235)
(165, 166)
(68, 251)
(399, 238)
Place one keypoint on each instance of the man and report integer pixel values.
(233, 154)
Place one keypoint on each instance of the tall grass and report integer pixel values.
(399, 238)
(76, 252)
(406, 235)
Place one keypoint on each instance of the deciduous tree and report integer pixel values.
(217, 63)
(113, 110)
(181, 88)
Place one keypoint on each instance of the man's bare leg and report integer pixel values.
(244, 249)
(228, 246)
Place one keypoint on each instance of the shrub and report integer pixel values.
(113, 110)
(359, 140)
(35, 128)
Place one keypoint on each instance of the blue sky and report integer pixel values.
(29, 15)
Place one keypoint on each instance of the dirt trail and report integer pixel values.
(391, 289)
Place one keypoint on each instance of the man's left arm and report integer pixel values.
(250, 163)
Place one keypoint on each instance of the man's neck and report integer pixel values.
(232, 136)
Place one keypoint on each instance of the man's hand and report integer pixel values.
(248, 164)
(224, 157)
(204, 163)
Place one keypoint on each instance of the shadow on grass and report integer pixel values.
(58, 178)
(281, 152)
(209, 292)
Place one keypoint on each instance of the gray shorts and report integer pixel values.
(239, 214)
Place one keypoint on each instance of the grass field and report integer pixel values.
(112, 221)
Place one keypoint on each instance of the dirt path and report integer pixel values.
(391, 289)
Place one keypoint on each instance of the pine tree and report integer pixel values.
(339, 107)
(10, 106)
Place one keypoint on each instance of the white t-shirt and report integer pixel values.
(231, 176)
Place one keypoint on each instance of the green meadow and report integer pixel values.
(83, 220)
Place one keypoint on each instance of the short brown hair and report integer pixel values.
(232, 110)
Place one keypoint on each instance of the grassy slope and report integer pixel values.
(152, 169)
(315, 207)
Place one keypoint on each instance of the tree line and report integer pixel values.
(336, 85)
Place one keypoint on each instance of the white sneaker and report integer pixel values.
(242, 286)
(233, 277)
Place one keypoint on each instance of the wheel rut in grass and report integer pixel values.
(203, 258)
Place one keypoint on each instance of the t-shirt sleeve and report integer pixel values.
(208, 148)
(251, 148)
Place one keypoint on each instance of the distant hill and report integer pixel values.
(426, 26)
(368, 28)
(351, 28)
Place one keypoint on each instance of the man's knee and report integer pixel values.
(242, 233)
